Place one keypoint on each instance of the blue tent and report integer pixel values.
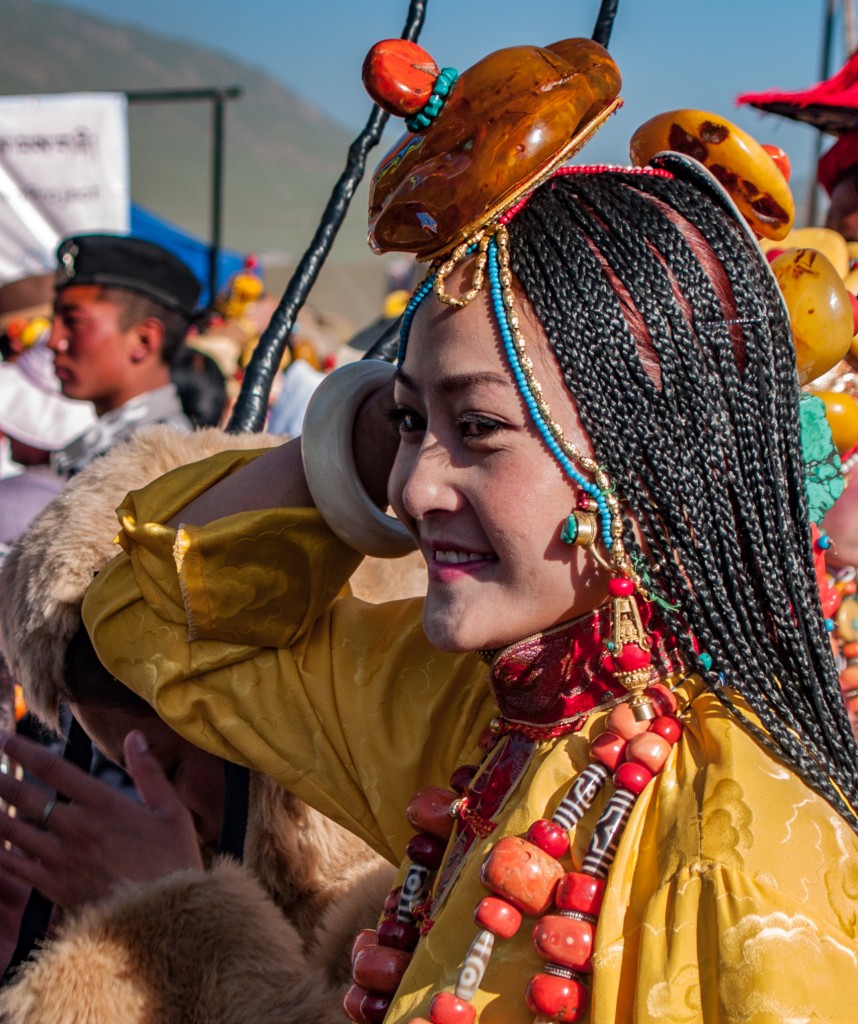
(145, 224)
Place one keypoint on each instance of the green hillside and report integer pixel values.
(282, 155)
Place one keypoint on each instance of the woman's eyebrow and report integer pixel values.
(456, 382)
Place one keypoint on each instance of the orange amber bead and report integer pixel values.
(565, 940)
(498, 917)
(648, 749)
(429, 811)
(520, 872)
(622, 721)
(564, 999)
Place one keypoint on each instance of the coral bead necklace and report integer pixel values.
(546, 687)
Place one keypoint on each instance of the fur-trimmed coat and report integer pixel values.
(267, 942)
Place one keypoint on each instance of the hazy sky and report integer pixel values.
(672, 53)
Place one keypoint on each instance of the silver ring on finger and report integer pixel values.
(47, 810)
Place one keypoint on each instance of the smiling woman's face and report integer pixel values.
(475, 485)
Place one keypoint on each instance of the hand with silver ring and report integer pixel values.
(46, 811)
(88, 837)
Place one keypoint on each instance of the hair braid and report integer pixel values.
(695, 416)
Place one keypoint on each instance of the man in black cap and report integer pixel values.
(123, 307)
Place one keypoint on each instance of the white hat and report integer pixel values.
(32, 410)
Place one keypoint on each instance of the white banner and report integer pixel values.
(63, 171)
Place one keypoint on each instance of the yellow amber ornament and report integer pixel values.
(841, 411)
(750, 175)
(508, 122)
(830, 243)
(820, 312)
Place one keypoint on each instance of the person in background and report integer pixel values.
(201, 386)
(123, 308)
(35, 419)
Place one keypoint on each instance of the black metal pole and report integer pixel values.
(252, 403)
(217, 193)
(605, 22)
(824, 72)
(217, 97)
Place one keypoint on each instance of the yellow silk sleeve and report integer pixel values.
(234, 633)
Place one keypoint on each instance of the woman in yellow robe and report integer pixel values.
(656, 336)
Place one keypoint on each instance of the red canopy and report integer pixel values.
(831, 106)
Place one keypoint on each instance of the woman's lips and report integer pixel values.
(446, 564)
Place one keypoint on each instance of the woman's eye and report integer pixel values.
(406, 421)
(476, 428)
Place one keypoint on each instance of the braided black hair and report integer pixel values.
(673, 341)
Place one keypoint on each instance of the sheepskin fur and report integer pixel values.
(193, 948)
(43, 579)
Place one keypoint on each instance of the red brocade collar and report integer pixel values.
(551, 681)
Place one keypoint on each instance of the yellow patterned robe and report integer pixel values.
(734, 893)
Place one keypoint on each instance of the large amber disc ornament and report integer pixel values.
(749, 173)
(508, 121)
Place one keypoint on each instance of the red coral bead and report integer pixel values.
(665, 701)
(498, 917)
(668, 727)
(397, 934)
(564, 999)
(462, 777)
(633, 777)
(565, 940)
(648, 749)
(520, 872)
(577, 891)
(619, 586)
(426, 850)
(608, 748)
(380, 968)
(399, 75)
(632, 657)
(447, 1008)
(429, 811)
(550, 837)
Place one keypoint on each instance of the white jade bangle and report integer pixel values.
(329, 461)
